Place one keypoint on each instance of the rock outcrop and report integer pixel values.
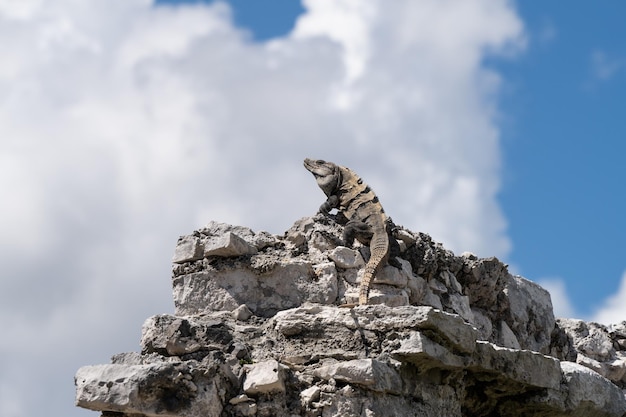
(258, 331)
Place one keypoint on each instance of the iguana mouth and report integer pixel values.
(317, 167)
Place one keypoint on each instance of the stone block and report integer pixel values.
(310, 394)
(346, 258)
(287, 285)
(521, 366)
(242, 313)
(160, 389)
(420, 350)
(390, 275)
(264, 378)
(369, 373)
(228, 245)
(590, 394)
(188, 248)
(416, 287)
(531, 315)
(173, 336)
(460, 305)
(506, 337)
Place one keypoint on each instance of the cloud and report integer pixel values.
(547, 32)
(614, 308)
(604, 67)
(561, 303)
(123, 125)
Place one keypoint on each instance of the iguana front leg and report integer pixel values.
(331, 203)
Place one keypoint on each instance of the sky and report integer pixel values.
(495, 126)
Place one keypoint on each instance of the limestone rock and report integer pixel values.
(176, 336)
(596, 347)
(530, 314)
(589, 394)
(421, 351)
(167, 389)
(346, 258)
(258, 331)
(391, 275)
(227, 245)
(286, 285)
(242, 313)
(310, 394)
(506, 337)
(370, 373)
(264, 378)
(188, 249)
(514, 365)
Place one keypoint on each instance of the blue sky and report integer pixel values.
(495, 126)
(564, 149)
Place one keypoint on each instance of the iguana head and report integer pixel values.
(327, 174)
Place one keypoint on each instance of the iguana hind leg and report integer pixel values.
(358, 230)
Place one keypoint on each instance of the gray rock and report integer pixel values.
(346, 258)
(264, 378)
(157, 389)
(450, 281)
(416, 287)
(325, 290)
(228, 245)
(450, 328)
(241, 398)
(430, 299)
(459, 304)
(310, 394)
(242, 313)
(420, 350)
(257, 332)
(589, 394)
(437, 286)
(482, 324)
(188, 249)
(531, 317)
(506, 337)
(286, 285)
(514, 365)
(390, 275)
(174, 336)
(370, 373)
(597, 347)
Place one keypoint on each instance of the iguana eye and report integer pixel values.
(320, 161)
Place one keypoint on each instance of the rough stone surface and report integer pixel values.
(595, 346)
(346, 258)
(264, 378)
(188, 249)
(258, 331)
(163, 389)
(228, 245)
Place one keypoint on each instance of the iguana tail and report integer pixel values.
(379, 250)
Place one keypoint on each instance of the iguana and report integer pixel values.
(367, 221)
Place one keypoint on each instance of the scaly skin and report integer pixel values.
(347, 192)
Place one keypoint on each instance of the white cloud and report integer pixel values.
(561, 303)
(604, 67)
(123, 125)
(614, 308)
